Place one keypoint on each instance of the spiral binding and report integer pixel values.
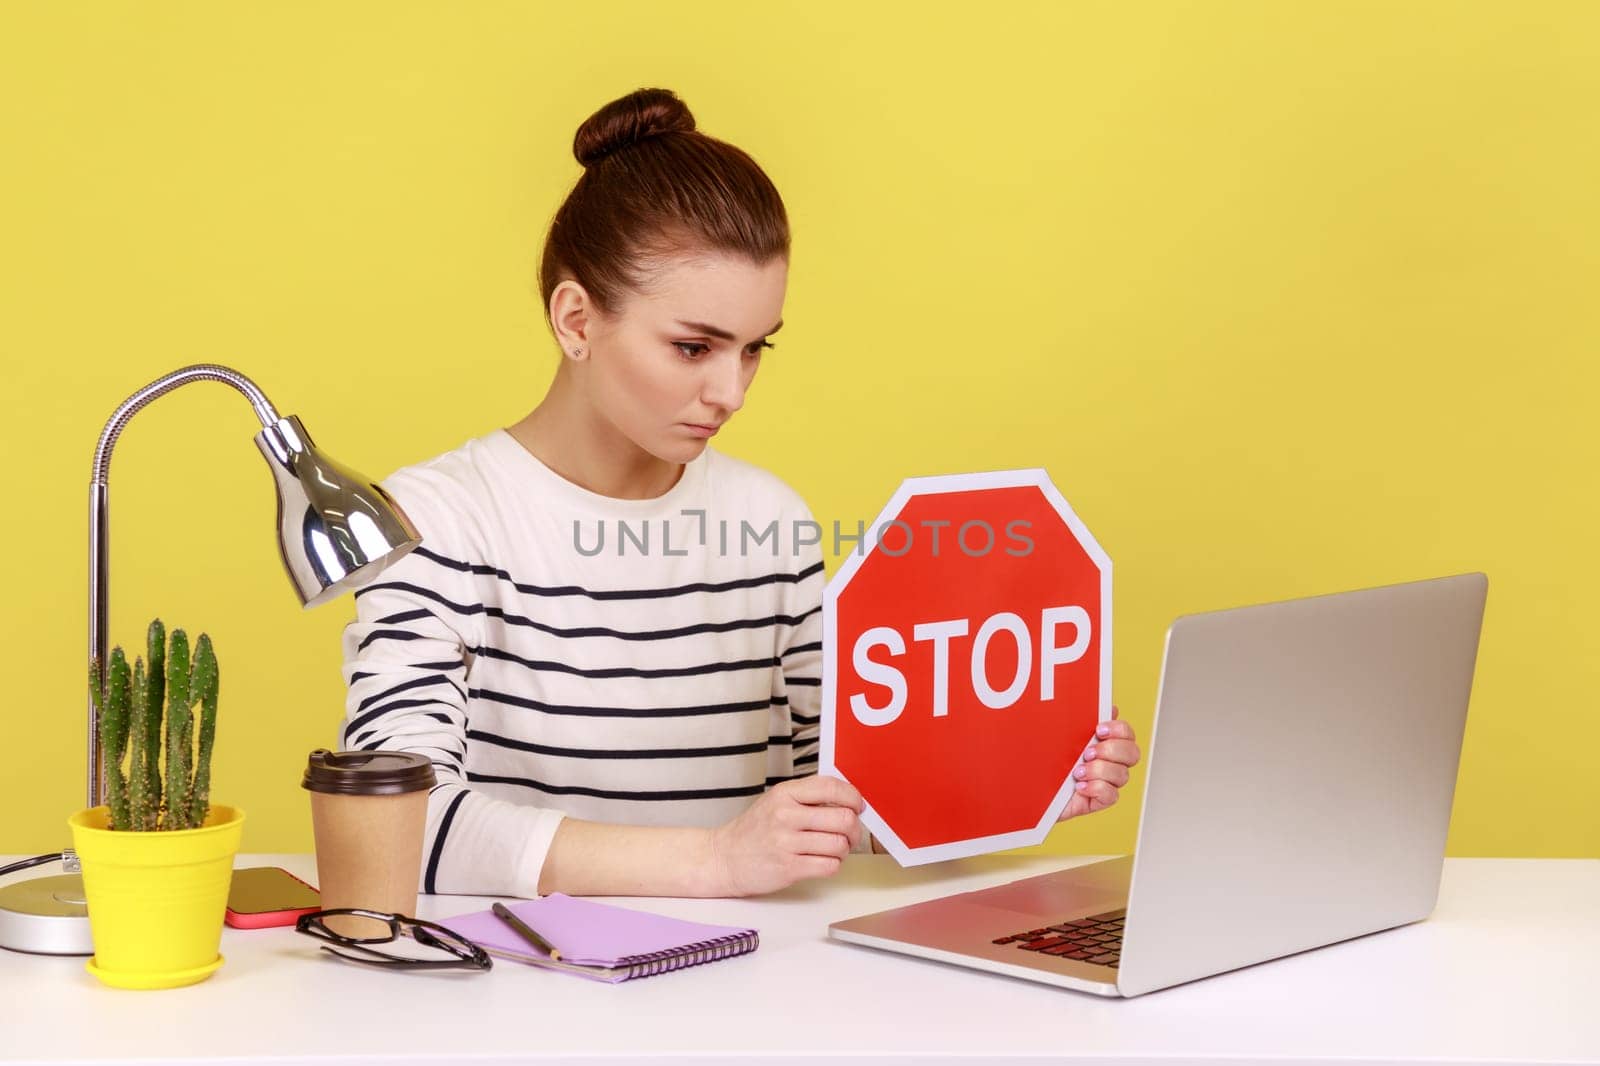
(721, 947)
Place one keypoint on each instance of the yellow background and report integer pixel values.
(1288, 298)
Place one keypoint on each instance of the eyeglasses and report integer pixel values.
(464, 954)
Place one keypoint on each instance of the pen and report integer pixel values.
(503, 912)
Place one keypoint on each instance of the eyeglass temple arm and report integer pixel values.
(339, 947)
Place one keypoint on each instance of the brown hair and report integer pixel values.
(653, 186)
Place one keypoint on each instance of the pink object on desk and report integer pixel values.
(601, 940)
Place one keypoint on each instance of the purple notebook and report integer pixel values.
(601, 940)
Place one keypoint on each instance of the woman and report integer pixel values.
(612, 661)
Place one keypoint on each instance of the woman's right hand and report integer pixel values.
(796, 829)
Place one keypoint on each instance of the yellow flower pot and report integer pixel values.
(156, 900)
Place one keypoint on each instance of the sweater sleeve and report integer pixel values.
(802, 661)
(407, 660)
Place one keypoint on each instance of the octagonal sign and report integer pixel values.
(966, 662)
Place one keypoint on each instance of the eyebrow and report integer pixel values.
(722, 334)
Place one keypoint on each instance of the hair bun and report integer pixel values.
(642, 114)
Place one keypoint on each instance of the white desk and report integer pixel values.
(1506, 970)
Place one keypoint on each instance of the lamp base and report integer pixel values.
(45, 916)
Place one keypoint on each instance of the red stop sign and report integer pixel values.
(966, 661)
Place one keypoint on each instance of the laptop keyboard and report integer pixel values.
(1096, 939)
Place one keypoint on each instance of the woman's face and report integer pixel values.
(673, 364)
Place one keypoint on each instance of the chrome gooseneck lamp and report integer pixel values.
(336, 531)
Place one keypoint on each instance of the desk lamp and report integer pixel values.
(336, 531)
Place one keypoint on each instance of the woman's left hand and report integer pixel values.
(1104, 768)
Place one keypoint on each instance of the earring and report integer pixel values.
(577, 353)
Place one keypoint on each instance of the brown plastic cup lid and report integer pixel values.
(367, 773)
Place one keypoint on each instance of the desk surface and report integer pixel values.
(1506, 970)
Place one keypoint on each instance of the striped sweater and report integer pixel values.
(554, 651)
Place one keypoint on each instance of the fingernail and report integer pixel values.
(1080, 773)
(1088, 754)
(1082, 785)
(1103, 731)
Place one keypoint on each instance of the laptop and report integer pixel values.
(1300, 772)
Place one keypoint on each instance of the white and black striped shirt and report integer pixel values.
(554, 652)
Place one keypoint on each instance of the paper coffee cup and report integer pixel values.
(369, 813)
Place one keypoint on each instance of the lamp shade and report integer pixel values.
(336, 529)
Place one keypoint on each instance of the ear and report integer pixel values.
(571, 314)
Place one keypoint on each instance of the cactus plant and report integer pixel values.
(203, 685)
(155, 652)
(131, 713)
(115, 699)
(140, 806)
(180, 755)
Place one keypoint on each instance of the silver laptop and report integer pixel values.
(1300, 772)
